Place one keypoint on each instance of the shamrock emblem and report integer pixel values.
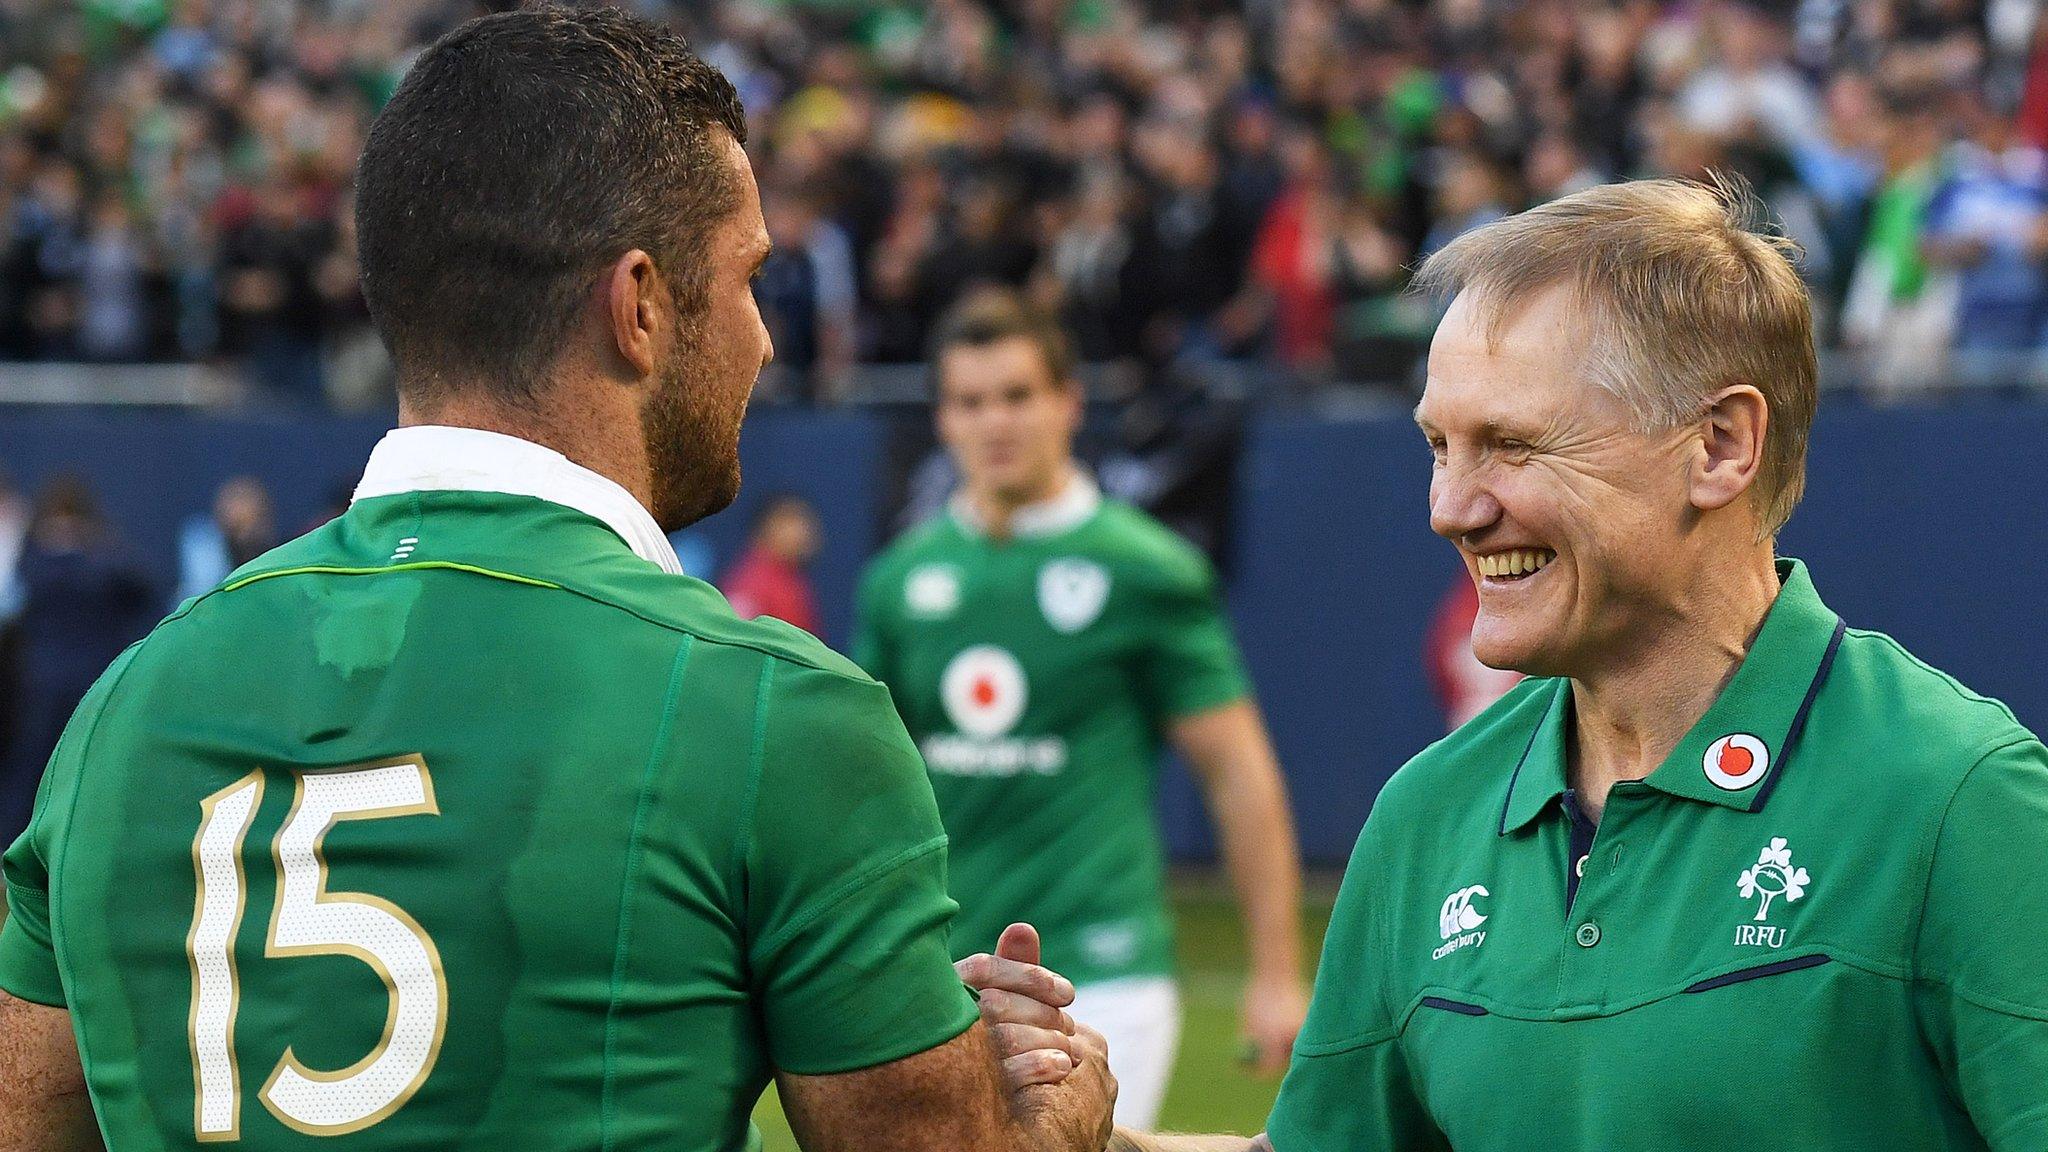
(1773, 876)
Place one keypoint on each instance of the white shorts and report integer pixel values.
(1140, 1017)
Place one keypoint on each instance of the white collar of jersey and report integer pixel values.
(1070, 509)
(437, 458)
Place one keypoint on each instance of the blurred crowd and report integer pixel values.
(1189, 182)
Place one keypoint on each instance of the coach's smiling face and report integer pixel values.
(1573, 524)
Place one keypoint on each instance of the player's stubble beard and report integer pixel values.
(692, 422)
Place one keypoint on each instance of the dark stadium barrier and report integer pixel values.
(1928, 523)
(153, 469)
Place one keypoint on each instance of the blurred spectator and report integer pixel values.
(1898, 318)
(14, 521)
(1462, 685)
(1748, 88)
(808, 291)
(1988, 221)
(241, 528)
(1084, 277)
(1556, 166)
(769, 578)
(83, 600)
(274, 313)
(1290, 265)
(14, 518)
(1467, 196)
(112, 322)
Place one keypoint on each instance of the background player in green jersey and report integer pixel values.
(1039, 640)
(466, 821)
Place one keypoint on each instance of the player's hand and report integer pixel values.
(1273, 1012)
(1023, 1005)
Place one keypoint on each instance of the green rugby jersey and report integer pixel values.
(1817, 925)
(456, 825)
(1037, 674)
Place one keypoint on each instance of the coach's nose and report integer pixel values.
(1460, 501)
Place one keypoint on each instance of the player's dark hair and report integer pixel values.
(523, 154)
(990, 315)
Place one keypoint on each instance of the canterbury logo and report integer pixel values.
(1458, 915)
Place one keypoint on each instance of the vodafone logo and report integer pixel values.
(1736, 761)
(984, 691)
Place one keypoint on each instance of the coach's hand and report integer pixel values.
(1023, 1005)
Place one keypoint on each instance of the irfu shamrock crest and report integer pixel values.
(1774, 876)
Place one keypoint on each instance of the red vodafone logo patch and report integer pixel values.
(1736, 761)
(984, 691)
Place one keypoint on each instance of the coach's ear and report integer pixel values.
(1731, 449)
(633, 304)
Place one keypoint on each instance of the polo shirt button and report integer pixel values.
(1589, 934)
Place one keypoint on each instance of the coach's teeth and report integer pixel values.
(1515, 562)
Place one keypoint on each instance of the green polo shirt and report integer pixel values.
(1820, 924)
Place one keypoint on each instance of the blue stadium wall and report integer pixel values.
(1930, 524)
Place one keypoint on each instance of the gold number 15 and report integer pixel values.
(308, 920)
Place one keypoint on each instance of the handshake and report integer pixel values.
(1055, 1069)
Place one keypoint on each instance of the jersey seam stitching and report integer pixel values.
(799, 660)
(621, 945)
(2000, 1005)
(756, 755)
(2004, 741)
(847, 888)
(411, 566)
(1961, 690)
(64, 849)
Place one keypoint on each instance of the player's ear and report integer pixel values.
(632, 307)
(1731, 446)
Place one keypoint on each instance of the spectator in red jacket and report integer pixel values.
(769, 579)
(1463, 686)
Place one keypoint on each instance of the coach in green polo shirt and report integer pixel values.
(1724, 874)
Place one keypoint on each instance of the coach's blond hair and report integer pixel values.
(1686, 295)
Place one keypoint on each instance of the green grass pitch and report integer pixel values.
(1211, 1091)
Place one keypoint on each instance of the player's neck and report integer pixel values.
(998, 510)
(606, 443)
(1628, 717)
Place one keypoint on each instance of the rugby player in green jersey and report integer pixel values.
(1039, 641)
(467, 822)
(1725, 874)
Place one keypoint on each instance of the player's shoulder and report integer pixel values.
(1472, 762)
(1936, 728)
(1138, 546)
(687, 605)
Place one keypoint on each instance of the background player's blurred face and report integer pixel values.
(692, 416)
(1573, 525)
(1007, 421)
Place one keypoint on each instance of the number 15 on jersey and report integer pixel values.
(309, 920)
